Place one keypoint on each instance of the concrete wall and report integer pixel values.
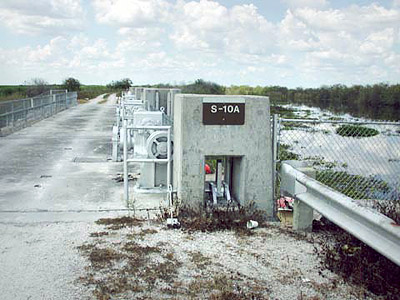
(149, 96)
(251, 142)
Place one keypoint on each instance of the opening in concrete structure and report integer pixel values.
(223, 184)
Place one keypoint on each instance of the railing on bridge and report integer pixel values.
(16, 114)
(368, 225)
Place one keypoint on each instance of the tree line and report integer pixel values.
(376, 95)
(339, 97)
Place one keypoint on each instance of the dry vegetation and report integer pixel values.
(131, 258)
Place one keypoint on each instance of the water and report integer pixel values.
(376, 157)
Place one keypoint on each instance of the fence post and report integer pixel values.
(274, 155)
(26, 109)
(125, 155)
(12, 114)
(54, 105)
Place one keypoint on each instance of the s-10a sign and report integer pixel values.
(221, 111)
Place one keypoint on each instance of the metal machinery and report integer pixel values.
(217, 190)
(143, 134)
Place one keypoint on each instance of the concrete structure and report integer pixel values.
(156, 99)
(246, 147)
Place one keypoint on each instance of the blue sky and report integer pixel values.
(294, 43)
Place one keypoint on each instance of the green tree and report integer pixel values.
(122, 84)
(201, 86)
(71, 84)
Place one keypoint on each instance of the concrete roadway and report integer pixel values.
(52, 175)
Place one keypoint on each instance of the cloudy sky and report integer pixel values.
(291, 43)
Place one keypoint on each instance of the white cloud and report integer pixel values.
(342, 42)
(61, 56)
(131, 13)
(209, 26)
(379, 42)
(166, 40)
(306, 3)
(141, 39)
(42, 16)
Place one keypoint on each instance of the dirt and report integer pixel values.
(142, 259)
(357, 262)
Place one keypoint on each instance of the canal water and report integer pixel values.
(375, 157)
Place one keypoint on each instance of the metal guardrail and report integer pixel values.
(16, 114)
(373, 228)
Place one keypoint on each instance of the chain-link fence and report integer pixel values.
(16, 114)
(359, 159)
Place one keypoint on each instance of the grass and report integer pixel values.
(390, 209)
(12, 92)
(358, 263)
(283, 111)
(105, 99)
(294, 126)
(126, 267)
(199, 260)
(285, 154)
(119, 223)
(354, 186)
(83, 101)
(356, 131)
(223, 287)
(92, 91)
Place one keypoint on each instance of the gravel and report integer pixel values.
(269, 264)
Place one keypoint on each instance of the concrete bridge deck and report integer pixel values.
(54, 177)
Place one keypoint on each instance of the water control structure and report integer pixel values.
(172, 136)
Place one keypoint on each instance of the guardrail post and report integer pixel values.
(303, 215)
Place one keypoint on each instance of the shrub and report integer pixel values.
(356, 131)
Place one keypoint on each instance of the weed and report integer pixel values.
(199, 259)
(98, 234)
(140, 250)
(216, 219)
(119, 223)
(141, 234)
(285, 154)
(354, 186)
(390, 209)
(294, 126)
(283, 111)
(223, 287)
(355, 261)
(83, 101)
(356, 131)
(105, 99)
